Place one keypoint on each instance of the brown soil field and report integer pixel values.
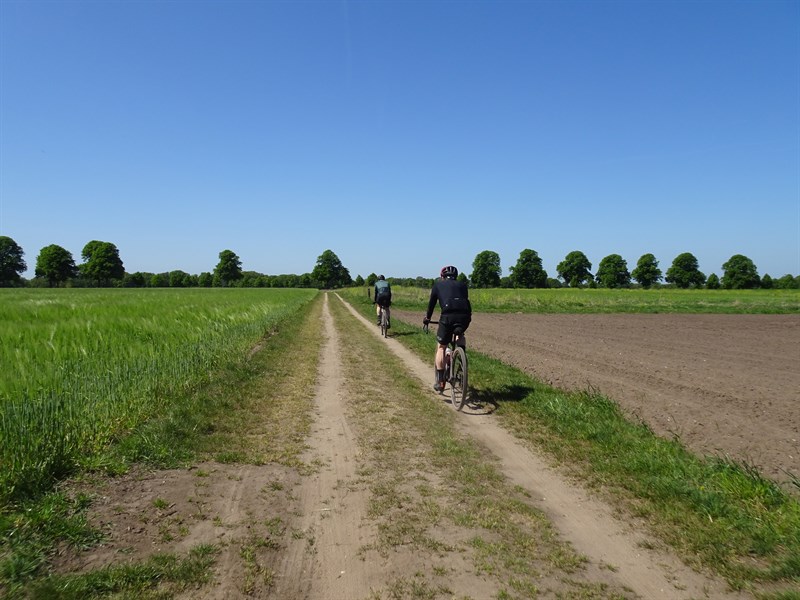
(725, 385)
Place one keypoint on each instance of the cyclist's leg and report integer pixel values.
(439, 374)
(378, 313)
(462, 323)
(443, 336)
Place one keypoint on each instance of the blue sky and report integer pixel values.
(402, 135)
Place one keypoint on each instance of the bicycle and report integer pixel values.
(455, 368)
(384, 320)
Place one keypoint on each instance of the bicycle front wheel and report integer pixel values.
(458, 378)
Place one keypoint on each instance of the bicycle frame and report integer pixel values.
(455, 368)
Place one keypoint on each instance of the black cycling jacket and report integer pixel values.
(452, 296)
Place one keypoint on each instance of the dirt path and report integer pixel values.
(307, 532)
(321, 563)
(586, 522)
(726, 385)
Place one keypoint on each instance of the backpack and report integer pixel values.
(383, 293)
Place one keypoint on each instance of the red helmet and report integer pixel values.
(449, 272)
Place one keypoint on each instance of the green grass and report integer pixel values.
(567, 300)
(720, 514)
(271, 382)
(84, 367)
(162, 576)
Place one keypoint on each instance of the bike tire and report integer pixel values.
(384, 323)
(459, 385)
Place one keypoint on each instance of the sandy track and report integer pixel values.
(322, 562)
(586, 522)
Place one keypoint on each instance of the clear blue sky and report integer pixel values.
(402, 135)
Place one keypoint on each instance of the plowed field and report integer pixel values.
(727, 385)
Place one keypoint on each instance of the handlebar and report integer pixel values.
(425, 325)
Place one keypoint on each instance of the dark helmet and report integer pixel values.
(449, 272)
(381, 277)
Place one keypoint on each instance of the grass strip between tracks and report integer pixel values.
(722, 515)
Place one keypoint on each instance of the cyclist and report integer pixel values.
(383, 299)
(453, 298)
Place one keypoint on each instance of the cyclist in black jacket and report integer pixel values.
(453, 298)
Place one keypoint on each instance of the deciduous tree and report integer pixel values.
(102, 263)
(647, 272)
(612, 272)
(574, 269)
(740, 273)
(486, 270)
(228, 269)
(55, 264)
(528, 272)
(12, 265)
(329, 271)
(685, 272)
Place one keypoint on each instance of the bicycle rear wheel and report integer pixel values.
(458, 378)
(384, 321)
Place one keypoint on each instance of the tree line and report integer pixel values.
(738, 272)
(103, 267)
(575, 271)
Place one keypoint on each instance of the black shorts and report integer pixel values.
(384, 300)
(448, 324)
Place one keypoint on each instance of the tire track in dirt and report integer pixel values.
(321, 561)
(586, 522)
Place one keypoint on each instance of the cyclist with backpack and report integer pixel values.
(383, 298)
(453, 298)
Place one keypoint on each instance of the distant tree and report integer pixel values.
(647, 272)
(12, 265)
(136, 280)
(712, 283)
(554, 283)
(574, 269)
(486, 270)
(329, 271)
(612, 272)
(359, 281)
(528, 272)
(179, 279)
(371, 279)
(102, 263)
(684, 272)
(55, 264)
(205, 279)
(766, 282)
(159, 280)
(228, 270)
(461, 277)
(740, 273)
(786, 282)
